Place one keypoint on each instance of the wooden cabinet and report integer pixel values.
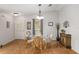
(65, 40)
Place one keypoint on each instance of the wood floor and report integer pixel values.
(19, 47)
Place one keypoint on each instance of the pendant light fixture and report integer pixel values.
(39, 15)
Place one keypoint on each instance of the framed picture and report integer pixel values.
(29, 25)
(7, 24)
(50, 23)
(66, 24)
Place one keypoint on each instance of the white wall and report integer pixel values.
(47, 30)
(71, 13)
(6, 34)
(22, 20)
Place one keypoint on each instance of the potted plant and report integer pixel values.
(62, 30)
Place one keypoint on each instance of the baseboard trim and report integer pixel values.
(74, 51)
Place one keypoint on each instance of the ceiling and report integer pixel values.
(29, 8)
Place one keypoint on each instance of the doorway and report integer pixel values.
(37, 27)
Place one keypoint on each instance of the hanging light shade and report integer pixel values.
(39, 16)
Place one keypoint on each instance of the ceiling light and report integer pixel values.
(40, 17)
(15, 14)
(50, 5)
(39, 4)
